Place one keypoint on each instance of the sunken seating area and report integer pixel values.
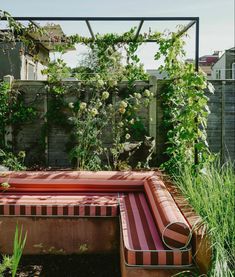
(88, 208)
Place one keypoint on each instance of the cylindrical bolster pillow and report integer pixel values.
(172, 225)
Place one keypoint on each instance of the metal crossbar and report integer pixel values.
(87, 20)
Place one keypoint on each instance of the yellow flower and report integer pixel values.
(127, 136)
(138, 95)
(100, 82)
(71, 105)
(123, 104)
(99, 103)
(122, 110)
(83, 106)
(21, 154)
(94, 112)
(105, 95)
(132, 121)
(112, 83)
(5, 185)
(147, 93)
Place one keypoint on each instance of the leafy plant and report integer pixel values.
(5, 265)
(16, 32)
(100, 105)
(11, 263)
(19, 244)
(12, 161)
(185, 105)
(5, 107)
(12, 109)
(13, 112)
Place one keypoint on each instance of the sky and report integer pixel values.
(216, 20)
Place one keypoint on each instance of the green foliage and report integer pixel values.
(19, 244)
(4, 110)
(185, 106)
(11, 263)
(210, 191)
(99, 101)
(13, 112)
(11, 161)
(56, 71)
(5, 265)
(12, 109)
(18, 32)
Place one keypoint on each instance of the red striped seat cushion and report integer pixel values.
(58, 204)
(142, 242)
(174, 229)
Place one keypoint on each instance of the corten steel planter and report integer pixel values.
(78, 212)
(48, 235)
(200, 241)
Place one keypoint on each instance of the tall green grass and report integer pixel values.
(12, 262)
(18, 247)
(211, 193)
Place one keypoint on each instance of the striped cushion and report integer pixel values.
(173, 227)
(142, 243)
(74, 181)
(44, 204)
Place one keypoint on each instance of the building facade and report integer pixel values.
(224, 68)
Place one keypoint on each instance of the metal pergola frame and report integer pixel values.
(192, 21)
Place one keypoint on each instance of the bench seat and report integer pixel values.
(59, 204)
(142, 242)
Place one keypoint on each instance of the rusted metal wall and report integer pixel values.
(57, 235)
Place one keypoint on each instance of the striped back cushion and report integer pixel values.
(58, 204)
(172, 225)
(141, 239)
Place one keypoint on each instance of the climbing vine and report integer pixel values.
(13, 110)
(102, 107)
(100, 104)
(185, 106)
(17, 32)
